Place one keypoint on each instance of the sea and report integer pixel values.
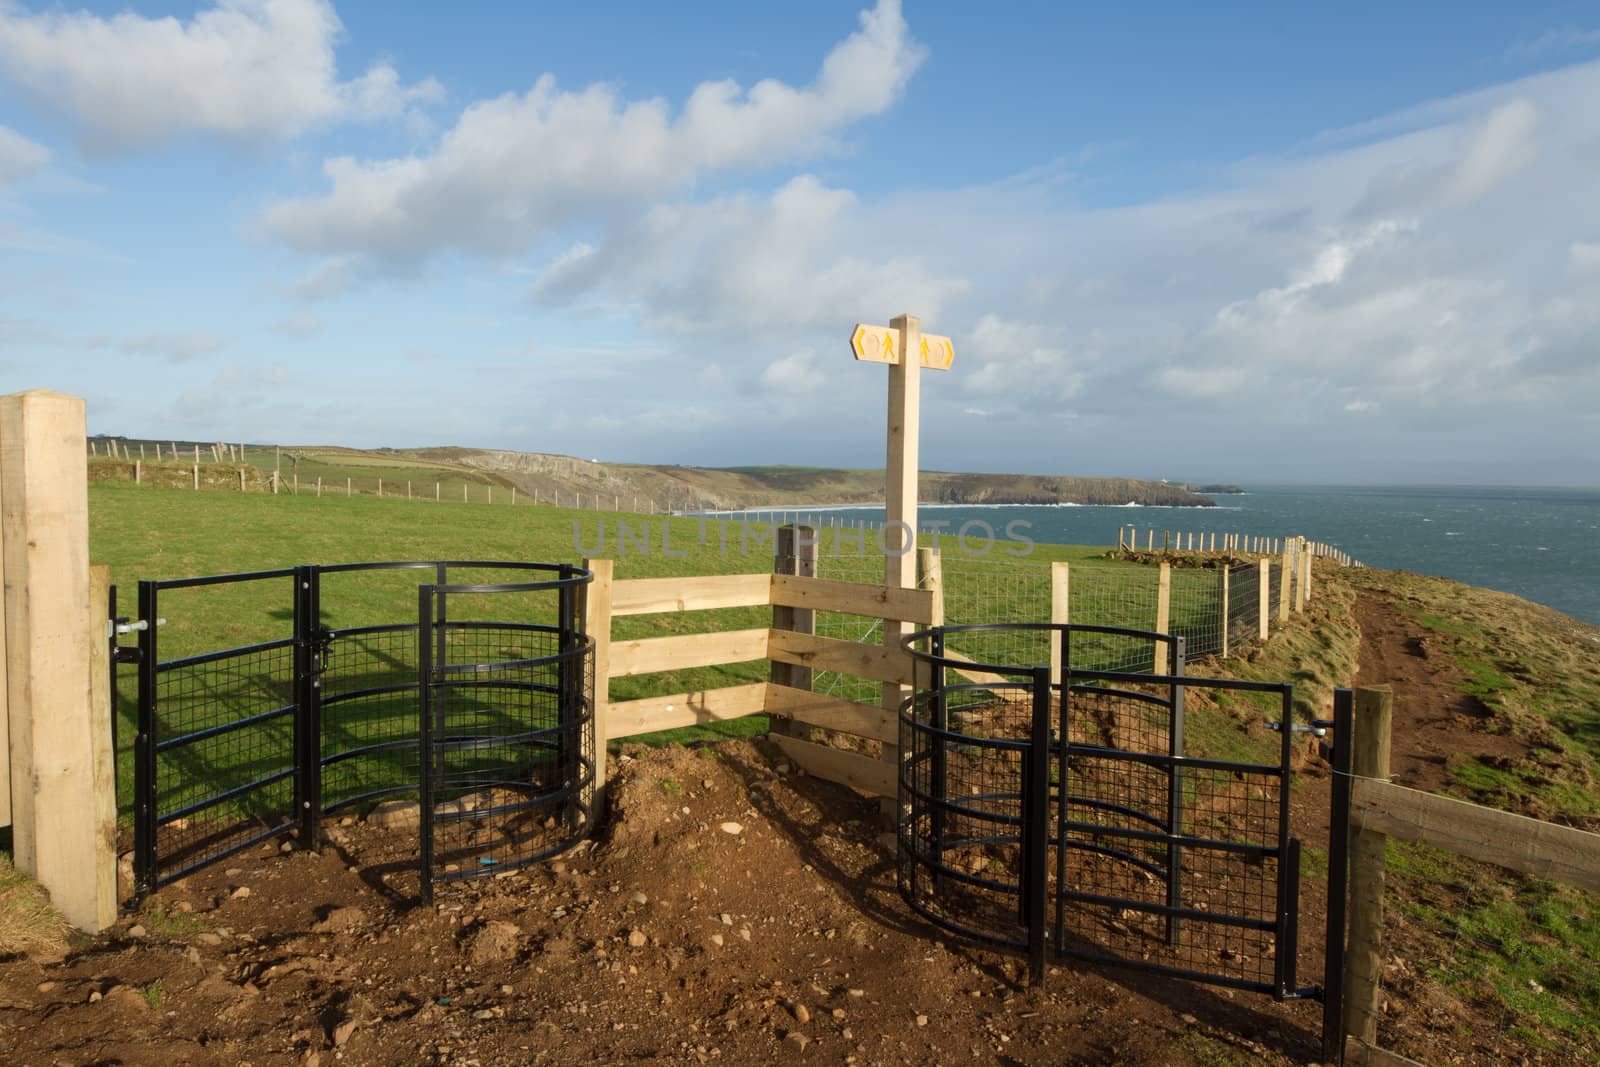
(1539, 543)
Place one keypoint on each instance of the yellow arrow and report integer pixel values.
(938, 353)
(874, 344)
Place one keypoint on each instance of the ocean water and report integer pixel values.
(1539, 543)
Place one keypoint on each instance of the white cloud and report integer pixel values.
(19, 157)
(1025, 360)
(785, 262)
(795, 373)
(300, 326)
(514, 168)
(1585, 255)
(174, 347)
(246, 69)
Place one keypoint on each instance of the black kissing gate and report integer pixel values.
(474, 714)
(1055, 805)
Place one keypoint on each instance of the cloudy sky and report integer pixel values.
(1255, 243)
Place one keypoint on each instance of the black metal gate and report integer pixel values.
(1055, 805)
(315, 702)
(507, 729)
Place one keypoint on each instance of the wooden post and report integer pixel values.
(1060, 587)
(241, 479)
(1119, 538)
(464, 493)
(197, 466)
(794, 551)
(1305, 579)
(436, 492)
(597, 624)
(1222, 609)
(347, 485)
(1284, 582)
(408, 490)
(319, 485)
(900, 496)
(1368, 852)
(57, 676)
(513, 496)
(1264, 592)
(138, 471)
(380, 488)
(930, 576)
(1163, 617)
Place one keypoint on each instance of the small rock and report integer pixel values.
(857, 992)
(45, 987)
(340, 920)
(395, 815)
(716, 939)
(797, 1039)
(922, 1020)
(185, 907)
(286, 848)
(708, 784)
(636, 939)
(727, 920)
(137, 931)
(1188, 1020)
(240, 892)
(744, 933)
(783, 768)
(95, 996)
(343, 1032)
(639, 898)
(483, 1013)
(801, 1013)
(209, 938)
(731, 828)
(493, 942)
(234, 872)
(312, 1058)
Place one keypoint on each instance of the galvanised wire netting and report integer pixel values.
(1244, 604)
(1195, 611)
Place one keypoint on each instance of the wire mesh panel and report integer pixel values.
(1244, 604)
(507, 729)
(219, 730)
(1196, 609)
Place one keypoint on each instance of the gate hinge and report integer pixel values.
(127, 654)
(123, 625)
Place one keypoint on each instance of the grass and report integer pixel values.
(27, 921)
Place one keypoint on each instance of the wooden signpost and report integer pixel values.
(889, 344)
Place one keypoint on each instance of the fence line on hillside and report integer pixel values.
(1191, 542)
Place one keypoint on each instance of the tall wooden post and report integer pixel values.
(1060, 612)
(1223, 599)
(597, 624)
(1285, 582)
(900, 498)
(57, 682)
(1368, 853)
(1263, 597)
(1163, 653)
(794, 552)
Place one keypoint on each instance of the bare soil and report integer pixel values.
(730, 910)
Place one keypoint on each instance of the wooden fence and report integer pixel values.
(1379, 810)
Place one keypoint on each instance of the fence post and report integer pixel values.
(1305, 577)
(57, 677)
(1060, 615)
(1222, 609)
(794, 551)
(1333, 965)
(197, 466)
(1119, 538)
(1285, 581)
(597, 624)
(1163, 616)
(1368, 852)
(1263, 594)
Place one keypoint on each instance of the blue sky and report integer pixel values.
(1253, 242)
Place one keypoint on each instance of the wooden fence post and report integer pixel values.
(63, 795)
(1120, 532)
(1222, 609)
(197, 467)
(1368, 852)
(1305, 579)
(1285, 581)
(1264, 593)
(597, 624)
(930, 576)
(794, 551)
(1163, 654)
(1060, 612)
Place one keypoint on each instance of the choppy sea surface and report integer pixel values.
(1540, 543)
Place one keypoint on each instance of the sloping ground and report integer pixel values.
(673, 938)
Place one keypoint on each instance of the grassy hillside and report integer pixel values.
(611, 486)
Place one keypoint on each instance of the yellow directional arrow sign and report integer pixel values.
(880, 344)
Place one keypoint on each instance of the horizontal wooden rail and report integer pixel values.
(853, 598)
(654, 654)
(866, 773)
(630, 717)
(881, 664)
(646, 596)
(1542, 849)
(831, 713)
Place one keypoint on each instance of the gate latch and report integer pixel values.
(325, 638)
(1316, 729)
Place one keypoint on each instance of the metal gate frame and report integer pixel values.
(1021, 816)
(277, 711)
